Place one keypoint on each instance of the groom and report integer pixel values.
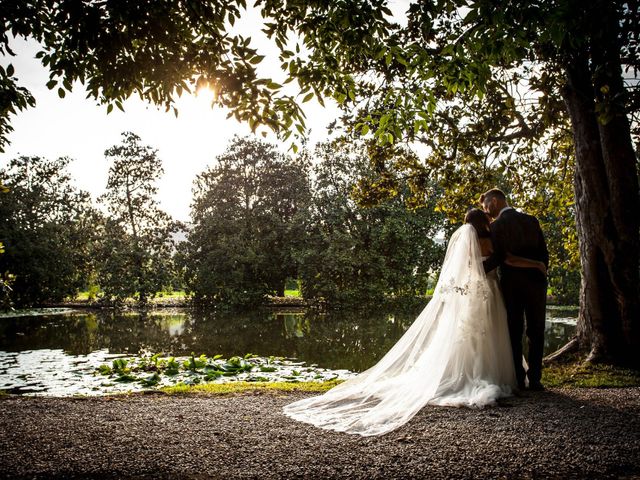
(524, 289)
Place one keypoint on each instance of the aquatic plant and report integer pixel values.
(192, 370)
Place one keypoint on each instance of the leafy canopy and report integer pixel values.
(478, 82)
(360, 255)
(46, 228)
(249, 213)
(135, 244)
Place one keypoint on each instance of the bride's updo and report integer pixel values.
(480, 221)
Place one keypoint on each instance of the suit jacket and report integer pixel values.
(519, 234)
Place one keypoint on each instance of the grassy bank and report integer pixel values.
(578, 374)
(241, 387)
(86, 296)
(572, 375)
(178, 298)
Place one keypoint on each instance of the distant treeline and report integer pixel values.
(259, 219)
(330, 220)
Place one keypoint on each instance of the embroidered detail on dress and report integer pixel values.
(478, 287)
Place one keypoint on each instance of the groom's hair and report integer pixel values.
(491, 194)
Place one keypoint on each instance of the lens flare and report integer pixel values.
(207, 94)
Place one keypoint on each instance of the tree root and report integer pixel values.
(571, 347)
(597, 356)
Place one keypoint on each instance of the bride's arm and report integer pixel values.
(522, 262)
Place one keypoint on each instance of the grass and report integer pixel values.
(177, 295)
(82, 296)
(578, 374)
(569, 375)
(241, 387)
(575, 374)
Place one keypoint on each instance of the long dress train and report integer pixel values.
(456, 353)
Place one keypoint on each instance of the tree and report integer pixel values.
(6, 279)
(136, 244)
(567, 57)
(483, 80)
(514, 75)
(46, 226)
(247, 215)
(356, 254)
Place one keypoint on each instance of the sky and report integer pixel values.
(82, 130)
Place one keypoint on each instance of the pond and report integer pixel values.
(55, 353)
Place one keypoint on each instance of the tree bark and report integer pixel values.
(621, 166)
(607, 200)
(138, 250)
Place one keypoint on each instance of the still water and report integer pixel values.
(43, 353)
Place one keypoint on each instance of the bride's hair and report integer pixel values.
(479, 220)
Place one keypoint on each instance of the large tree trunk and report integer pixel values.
(607, 200)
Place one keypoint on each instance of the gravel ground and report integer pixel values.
(582, 433)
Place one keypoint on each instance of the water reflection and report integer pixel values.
(339, 340)
(52, 372)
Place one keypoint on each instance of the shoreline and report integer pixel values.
(159, 303)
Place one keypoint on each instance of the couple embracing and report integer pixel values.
(465, 347)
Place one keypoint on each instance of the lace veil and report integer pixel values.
(440, 341)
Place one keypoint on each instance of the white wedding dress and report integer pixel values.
(456, 353)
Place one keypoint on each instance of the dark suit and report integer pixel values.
(524, 289)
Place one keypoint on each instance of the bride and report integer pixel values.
(456, 353)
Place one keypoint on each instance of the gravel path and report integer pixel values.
(583, 433)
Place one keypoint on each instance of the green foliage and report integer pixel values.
(134, 256)
(151, 381)
(479, 83)
(13, 98)
(248, 213)
(292, 284)
(354, 253)
(120, 366)
(6, 279)
(172, 367)
(46, 227)
(475, 79)
(548, 194)
(586, 375)
(257, 220)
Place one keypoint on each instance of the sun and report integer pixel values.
(207, 94)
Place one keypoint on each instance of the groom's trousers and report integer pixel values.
(525, 296)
